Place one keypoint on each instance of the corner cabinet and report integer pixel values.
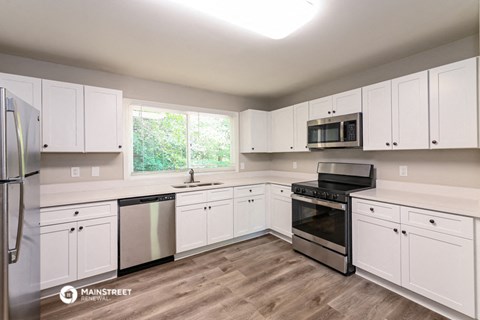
(254, 131)
(428, 252)
(77, 242)
(79, 118)
(26, 88)
(453, 105)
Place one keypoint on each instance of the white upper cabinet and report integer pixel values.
(336, 105)
(301, 118)
(410, 112)
(254, 129)
(283, 129)
(26, 88)
(103, 120)
(347, 102)
(62, 114)
(453, 105)
(377, 116)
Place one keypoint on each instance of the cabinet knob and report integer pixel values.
(72, 229)
(329, 112)
(387, 144)
(45, 145)
(204, 208)
(395, 230)
(76, 213)
(209, 207)
(119, 147)
(250, 190)
(333, 111)
(306, 147)
(395, 144)
(291, 147)
(253, 148)
(404, 232)
(253, 200)
(81, 228)
(249, 200)
(432, 221)
(372, 210)
(281, 190)
(434, 141)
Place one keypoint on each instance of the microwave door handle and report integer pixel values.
(14, 253)
(342, 128)
(329, 204)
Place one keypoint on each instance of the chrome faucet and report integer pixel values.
(192, 176)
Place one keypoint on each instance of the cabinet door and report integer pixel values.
(241, 219)
(219, 221)
(376, 247)
(377, 116)
(58, 254)
(410, 112)
(97, 246)
(301, 118)
(282, 215)
(347, 102)
(253, 131)
(258, 219)
(321, 108)
(191, 227)
(62, 114)
(103, 120)
(439, 267)
(282, 130)
(453, 105)
(26, 88)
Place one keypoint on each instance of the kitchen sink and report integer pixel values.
(188, 185)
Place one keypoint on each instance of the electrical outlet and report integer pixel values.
(242, 165)
(95, 171)
(294, 164)
(75, 172)
(403, 171)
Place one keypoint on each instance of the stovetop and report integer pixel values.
(334, 191)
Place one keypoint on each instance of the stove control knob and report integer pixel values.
(335, 196)
(329, 196)
(303, 190)
(324, 195)
(315, 193)
(297, 189)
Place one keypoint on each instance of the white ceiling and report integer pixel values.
(158, 40)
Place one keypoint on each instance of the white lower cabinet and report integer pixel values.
(204, 223)
(424, 253)
(249, 215)
(281, 210)
(79, 249)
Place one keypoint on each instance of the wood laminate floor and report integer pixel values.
(261, 278)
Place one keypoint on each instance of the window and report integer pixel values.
(167, 140)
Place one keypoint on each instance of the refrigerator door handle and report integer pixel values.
(14, 253)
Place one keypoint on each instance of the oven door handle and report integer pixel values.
(330, 204)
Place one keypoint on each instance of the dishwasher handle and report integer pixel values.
(145, 200)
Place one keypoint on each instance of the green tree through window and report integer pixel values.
(166, 140)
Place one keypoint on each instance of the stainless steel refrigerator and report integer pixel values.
(19, 208)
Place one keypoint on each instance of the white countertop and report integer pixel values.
(93, 193)
(461, 201)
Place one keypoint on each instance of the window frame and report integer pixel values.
(129, 105)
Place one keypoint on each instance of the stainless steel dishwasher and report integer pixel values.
(146, 234)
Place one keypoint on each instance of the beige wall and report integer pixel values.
(455, 51)
(444, 167)
(56, 167)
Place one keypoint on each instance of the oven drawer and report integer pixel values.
(385, 211)
(251, 190)
(438, 221)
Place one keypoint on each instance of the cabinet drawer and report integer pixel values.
(438, 221)
(187, 198)
(251, 190)
(375, 209)
(220, 194)
(281, 191)
(55, 215)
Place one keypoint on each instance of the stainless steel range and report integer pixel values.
(321, 213)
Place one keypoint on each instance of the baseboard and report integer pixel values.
(421, 300)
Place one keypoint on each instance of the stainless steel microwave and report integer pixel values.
(335, 132)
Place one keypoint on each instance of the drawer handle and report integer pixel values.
(81, 228)
(395, 230)
(404, 232)
(72, 229)
(76, 213)
(432, 221)
(372, 210)
(250, 190)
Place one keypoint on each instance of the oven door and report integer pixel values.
(320, 221)
(335, 132)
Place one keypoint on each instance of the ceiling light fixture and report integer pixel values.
(275, 19)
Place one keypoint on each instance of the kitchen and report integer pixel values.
(252, 117)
